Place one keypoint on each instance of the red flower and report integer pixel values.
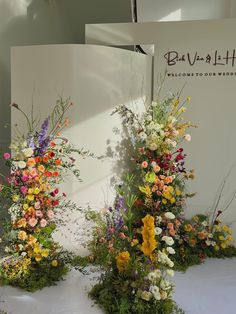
(55, 203)
(51, 154)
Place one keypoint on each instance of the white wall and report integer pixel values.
(30, 22)
(97, 79)
(180, 10)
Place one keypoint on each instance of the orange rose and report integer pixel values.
(41, 168)
(31, 162)
(21, 223)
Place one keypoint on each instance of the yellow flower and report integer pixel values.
(178, 192)
(54, 263)
(230, 238)
(37, 248)
(188, 98)
(164, 201)
(172, 200)
(216, 247)
(146, 190)
(148, 233)
(122, 261)
(188, 228)
(38, 258)
(22, 235)
(225, 228)
(221, 238)
(36, 191)
(25, 206)
(134, 242)
(223, 245)
(30, 191)
(15, 198)
(30, 197)
(45, 253)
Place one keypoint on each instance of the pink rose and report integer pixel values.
(38, 213)
(24, 178)
(23, 189)
(144, 164)
(37, 205)
(43, 223)
(6, 156)
(50, 214)
(32, 222)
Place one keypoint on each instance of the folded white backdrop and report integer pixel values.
(97, 79)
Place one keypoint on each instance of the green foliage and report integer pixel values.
(109, 294)
(39, 277)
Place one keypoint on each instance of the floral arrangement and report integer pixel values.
(140, 240)
(39, 162)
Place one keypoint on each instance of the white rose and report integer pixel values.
(7, 249)
(187, 137)
(153, 146)
(151, 276)
(163, 295)
(28, 152)
(170, 263)
(168, 240)
(104, 211)
(158, 219)
(21, 164)
(145, 295)
(165, 285)
(173, 143)
(169, 215)
(149, 118)
(156, 292)
(23, 254)
(205, 223)
(158, 231)
(157, 273)
(170, 250)
(170, 272)
(142, 135)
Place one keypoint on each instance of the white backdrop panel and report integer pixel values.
(97, 79)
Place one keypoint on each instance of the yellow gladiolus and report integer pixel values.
(122, 261)
(148, 233)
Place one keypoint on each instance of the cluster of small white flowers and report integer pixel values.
(164, 259)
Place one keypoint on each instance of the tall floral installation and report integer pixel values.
(39, 161)
(140, 240)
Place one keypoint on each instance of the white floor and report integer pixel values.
(205, 289)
